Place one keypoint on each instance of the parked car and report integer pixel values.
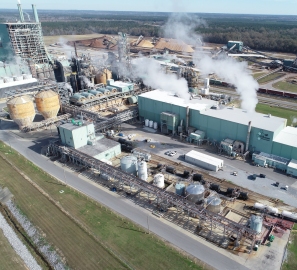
(173, 153)
(253, 176)
(234, 173)
(262, 175)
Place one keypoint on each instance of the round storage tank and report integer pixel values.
(129, 164)
(180, 189)
(256, 223)
(48, 103)
(21, 110)
(151, 124)
(195, 193)
(103, 76)
(133, 100)
(159, 180)
(214, 204)
(142, 170)
(146, 122)
(155, 125)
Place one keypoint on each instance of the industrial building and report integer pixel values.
(227, 127)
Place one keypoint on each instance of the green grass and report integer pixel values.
(279, 112)
(291, 261)
(270, 77)
(130, 242)
(286, 86)
(258, 74)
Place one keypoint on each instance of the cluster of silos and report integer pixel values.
(195, 193)
(103, 76)
(131, 165)
(22, 111)
(151, 124)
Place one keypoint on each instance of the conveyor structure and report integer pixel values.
(122, 179)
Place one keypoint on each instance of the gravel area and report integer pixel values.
(48, 251)
(17, 245)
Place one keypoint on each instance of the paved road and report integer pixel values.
(170, 232)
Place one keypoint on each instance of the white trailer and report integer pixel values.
(204, 161)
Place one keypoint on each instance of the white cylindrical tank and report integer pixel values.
(214, 204)
(272, 210)
(159, 180)
(180, 189)
(146, 122)
(259, 206)
(155, 125)
(142, 170)
(8, 79)
(151, 123)
(289, 215)
(129, 164)
(256, 223)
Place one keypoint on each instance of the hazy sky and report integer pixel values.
(209, 6)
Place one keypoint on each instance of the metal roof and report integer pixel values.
(261, 121)
(170, 98)
(205, 158)
(293, 164)
(287, 136)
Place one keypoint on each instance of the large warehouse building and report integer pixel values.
(224, 126)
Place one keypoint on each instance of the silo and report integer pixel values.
(195, 193)
(129, 164)
(214, 204)
(103, 76)
(159, 180)
(142, 170)
(21, 110)
(256, 223)
(48, 103)
(180, 189)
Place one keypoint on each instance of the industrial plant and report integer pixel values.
(87, 102)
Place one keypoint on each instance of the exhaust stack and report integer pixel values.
(248, 136)
(35, 13)
(21, 12)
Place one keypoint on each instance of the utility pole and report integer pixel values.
(148, 226)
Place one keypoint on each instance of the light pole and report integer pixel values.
(64, 177)
(148, 226)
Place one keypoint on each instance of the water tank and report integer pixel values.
(146, 122)
(48, 103)
(156, 125)
(151, 124)
(289, 215)
(256, 223)
(159, 180)
(259, 206)
(103, 76)
(180, 189)
(214, 204)
(142, 170)
(195, 193)
(133, 100)
(129, 164)
(21, 110)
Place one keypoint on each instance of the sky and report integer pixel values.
(279, 7)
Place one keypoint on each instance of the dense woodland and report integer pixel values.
(260, 32)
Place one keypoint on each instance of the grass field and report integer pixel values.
(271, 77)
(141, 250)
(291, 262)
(286, 86)
(9, 259)
(279, 112)
(258, 74)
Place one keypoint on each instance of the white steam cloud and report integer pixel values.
(236, 73)
(152, 74)
(87, 82)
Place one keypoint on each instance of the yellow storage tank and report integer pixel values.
(21, 110)
(103, 76)
(48, 103)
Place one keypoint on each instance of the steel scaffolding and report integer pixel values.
(122, 179)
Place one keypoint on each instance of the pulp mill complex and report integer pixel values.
(89, 101)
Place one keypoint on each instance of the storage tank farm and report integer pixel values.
(48, 103)
(129, 164)
(214, 204)
(103, 76)
(21, 110)
(195, 193)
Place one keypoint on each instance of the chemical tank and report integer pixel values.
(195, 193)
(155, 125)
(133, 100)
(256, 223)
(259, 206)
(129, 164)
(289, 215)
(151, 123)
(159, 180)
(146, 122)
(142, 170)
(214, 204)
(48, 103)
(21, 110)
(103, 76)
(180, 189)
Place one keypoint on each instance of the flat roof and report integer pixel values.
(206, 158)
(287, 136)
(70, 126)
(119, 84)
(293, 164)
(101, 146)
(17, 83)
(170, 98)
(259, 120)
